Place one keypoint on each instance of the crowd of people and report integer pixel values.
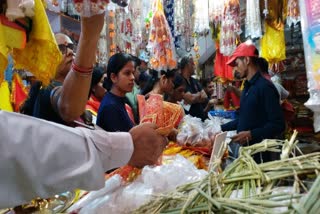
(86, 121)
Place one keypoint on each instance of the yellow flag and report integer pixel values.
(41, 56)
(5, 103)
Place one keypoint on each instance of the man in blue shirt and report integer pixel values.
(260, 115)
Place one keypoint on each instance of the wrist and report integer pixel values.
(87, 71)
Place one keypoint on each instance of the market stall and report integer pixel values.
(190, 177)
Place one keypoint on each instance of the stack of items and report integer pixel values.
(245, 187)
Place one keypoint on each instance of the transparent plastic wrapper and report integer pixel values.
(152, 181)
(212, 127)
(310, 28)
(161, 44)
(191, 132)
(111, 185)
(89, 8)
(314, 104)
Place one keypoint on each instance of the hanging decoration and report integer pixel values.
(253, 22)
(55, 3)
(137, 23)
(19, 9)
(161, 45)
(196, 49)
(112, 33)
(273, 46)
(221, 69)
(90, 7)
(169, 12)
(201, 14)
(293, 16)
(183, 23)
(124, 30)
(34, 50)
(102, 46)
(275, 12)
(216, 9)
(230, 27)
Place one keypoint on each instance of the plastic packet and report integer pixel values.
(153, 180)
(273, 46)
(191, 131)
(89, 8)
(314, 104)
(110, 185)
(212, 127)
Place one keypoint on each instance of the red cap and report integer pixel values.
(244, 49)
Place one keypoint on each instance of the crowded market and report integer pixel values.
(159, 106)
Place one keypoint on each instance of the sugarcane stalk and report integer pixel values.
(215, 203)
(288, 146)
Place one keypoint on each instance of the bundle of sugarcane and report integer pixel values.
(310, 203)
(255, 182)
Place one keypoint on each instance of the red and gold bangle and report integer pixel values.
(81, 70)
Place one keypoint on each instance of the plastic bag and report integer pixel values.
(273, 45)
(193, 132)
(111, 185)
(161, 44)
(212, 127)
(90, 7)
(153, 180)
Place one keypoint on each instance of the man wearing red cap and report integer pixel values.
(260, 114)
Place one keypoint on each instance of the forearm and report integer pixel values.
(76, 86)
(192, 98)
(42, 159)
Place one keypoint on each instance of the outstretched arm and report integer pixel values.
(70, 100)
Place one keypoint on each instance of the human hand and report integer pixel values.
(242, 137)
(92, 26)
(148, 145)
(212, 102)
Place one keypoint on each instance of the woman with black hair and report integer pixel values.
(97, 92)
(112, 114)
(160, 83)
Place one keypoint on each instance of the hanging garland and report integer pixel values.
(163, 56)
(183, 22)
(253, 22)
(230, 27)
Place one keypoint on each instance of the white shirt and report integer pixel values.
(40, 158)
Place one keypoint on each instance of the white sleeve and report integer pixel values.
(40, 159)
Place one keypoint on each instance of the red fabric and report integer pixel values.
(231, 96)
(130, 113)
(19, 93)
(221, 69)
(93, 105)
(288, 111)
